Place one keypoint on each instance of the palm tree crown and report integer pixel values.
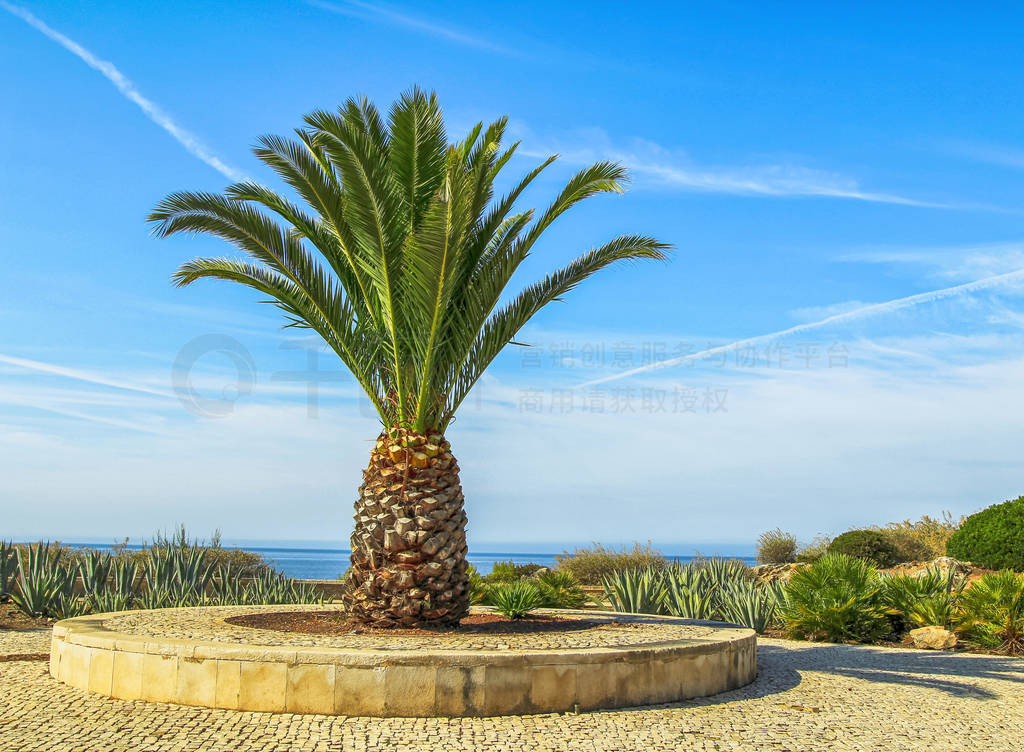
(401, 254)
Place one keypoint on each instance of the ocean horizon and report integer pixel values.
(327, 563)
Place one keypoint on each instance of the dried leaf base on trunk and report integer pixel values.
(409, 544)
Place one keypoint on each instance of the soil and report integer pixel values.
(333, 623)
(12, 618)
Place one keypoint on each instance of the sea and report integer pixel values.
(326, 563)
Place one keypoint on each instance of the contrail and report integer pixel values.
(127, 88)
(78, 375)
(858, 313)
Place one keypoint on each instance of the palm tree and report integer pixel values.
(398, 259)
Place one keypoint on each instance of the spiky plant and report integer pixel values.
(398, 260)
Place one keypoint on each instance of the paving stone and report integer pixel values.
(808, 697)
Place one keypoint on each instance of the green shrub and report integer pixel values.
(776, 547)
(993, 538)
(515, 599)
(509, 571)
(560, 590)
(590, 566)
(811, 552)
(992, 613)
(836, 599)
(866, 544)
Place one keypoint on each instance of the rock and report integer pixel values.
(944, 565)
(932, 638)
(775, 572)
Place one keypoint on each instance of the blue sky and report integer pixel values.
(839, 332)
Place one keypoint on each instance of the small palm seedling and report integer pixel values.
(515, 600)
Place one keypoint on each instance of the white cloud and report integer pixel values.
(949, 262)
(128, 89)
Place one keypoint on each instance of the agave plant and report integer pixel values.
(690, 592)
(8, 569)
(515, 599)
(42, 582)
(398, 256)
(636, 591)
(95, 569)
(749, 604)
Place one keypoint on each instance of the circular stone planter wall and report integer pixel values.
(193, 657)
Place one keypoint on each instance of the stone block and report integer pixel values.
(229, 681)
(126, 682)
(101, 671)
(262, 686)
(553, 688)
(410, 690)
(310, 688)
(159, 677)
(359, 690)
(197, 682)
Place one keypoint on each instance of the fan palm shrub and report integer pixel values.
(836, 599)
(992, 613)
(398, 255)
(560, 590)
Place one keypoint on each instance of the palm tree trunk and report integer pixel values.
(409, 545)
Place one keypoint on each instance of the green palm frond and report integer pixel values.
(394, 249)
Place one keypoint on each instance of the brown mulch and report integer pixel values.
(12, 618)
(333, 623)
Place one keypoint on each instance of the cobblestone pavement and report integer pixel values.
(807, 697)
(20, 641)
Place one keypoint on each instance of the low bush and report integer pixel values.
(591, 565)
(776, 547)
(509, 571)
(866, 544)
(992, 538)
(992, 613)
(923, 540)
(835, 599)
(811, 552)
(515, 599)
